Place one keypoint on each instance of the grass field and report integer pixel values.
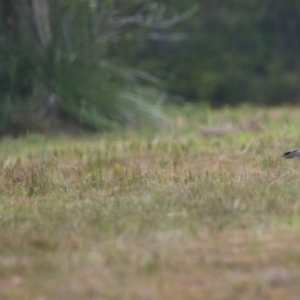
(203, 208)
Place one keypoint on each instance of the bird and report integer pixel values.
(292, 154)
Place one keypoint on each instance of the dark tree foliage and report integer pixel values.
(235, 51)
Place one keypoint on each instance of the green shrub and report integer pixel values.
(70, 75)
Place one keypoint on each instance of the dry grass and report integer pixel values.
(173, 214)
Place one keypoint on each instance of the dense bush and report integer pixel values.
(55, 66)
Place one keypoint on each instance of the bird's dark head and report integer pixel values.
(286, 154)
(292, 154)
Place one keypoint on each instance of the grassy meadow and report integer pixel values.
(203, 207)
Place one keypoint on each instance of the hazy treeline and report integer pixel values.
(104, 63)
(235, 51)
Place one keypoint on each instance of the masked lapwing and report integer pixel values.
(292, 154)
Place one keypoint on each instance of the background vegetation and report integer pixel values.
(101, 64)
(55, 65)
(234, 51)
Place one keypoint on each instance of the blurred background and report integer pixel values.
(102, 64)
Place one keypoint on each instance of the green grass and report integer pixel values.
(186, 212)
